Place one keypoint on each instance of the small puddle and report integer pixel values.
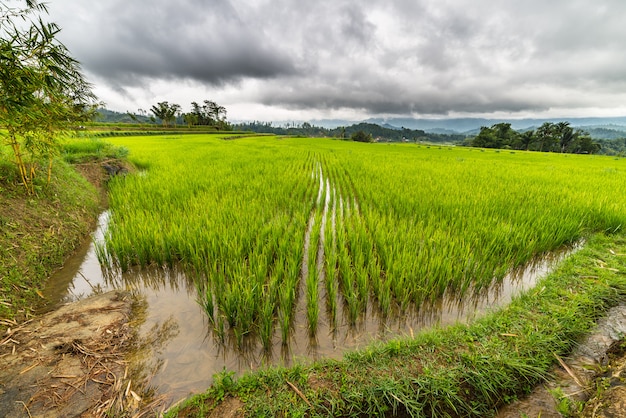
(185, 353)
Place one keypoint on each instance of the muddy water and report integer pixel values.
(183, 353)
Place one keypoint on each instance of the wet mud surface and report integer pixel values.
(70, 362)
(591, 382)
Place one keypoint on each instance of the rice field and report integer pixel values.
(268, 227)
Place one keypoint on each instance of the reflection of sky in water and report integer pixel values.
(192, 355)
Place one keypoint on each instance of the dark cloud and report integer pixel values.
(375, 57)
(126, 41)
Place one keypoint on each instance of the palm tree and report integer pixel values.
(166, 112)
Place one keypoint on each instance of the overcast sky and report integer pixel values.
(303, 60)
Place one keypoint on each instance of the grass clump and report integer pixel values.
(464, 370)
(83, 150)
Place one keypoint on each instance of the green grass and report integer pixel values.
(81, 150)
(37, 233)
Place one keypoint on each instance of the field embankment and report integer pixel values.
(38, 232)
(72, 360)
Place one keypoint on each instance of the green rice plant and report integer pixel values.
(285, 313)
(80, 150)
(206, 299)
(408, 224)
(312, 301)
(219, 329)
(314, 266)
(266, 321)
(330, 263)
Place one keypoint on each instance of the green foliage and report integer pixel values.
(549, 137)
(564, 405)
(613, 146)
(166, 112)
(209, 113)
(361, 136)
(42, 90)
(223, 384)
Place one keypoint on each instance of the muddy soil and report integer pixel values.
(70, 362)
(609, 388)
(591, 382)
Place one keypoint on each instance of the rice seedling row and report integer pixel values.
(271, 228)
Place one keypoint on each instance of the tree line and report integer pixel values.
(209, 113)
(613, 146)
(549, 137)
(364, 132)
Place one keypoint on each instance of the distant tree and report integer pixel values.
(361, 136)
(525, 140)
(485, 139)
(615, 146)
(210, 113)
(547, 136)
(217, 113)
(190, 119)
(342, 132)
(165, 112)
(584, 144)
(565, 136)
(500, 135)
(199, 113)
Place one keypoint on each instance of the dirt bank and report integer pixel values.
(70, 362)
(590, 382)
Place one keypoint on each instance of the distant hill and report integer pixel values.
(111, 116)
(612, 132)
(465, 125)
(598, 127)
(439, 130)
(377, 132)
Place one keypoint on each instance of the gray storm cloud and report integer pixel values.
(382, 57)
(125, 42)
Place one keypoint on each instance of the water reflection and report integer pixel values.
(81, 274)
(180, 351)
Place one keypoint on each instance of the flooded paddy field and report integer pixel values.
(256, 252)
(183, 352)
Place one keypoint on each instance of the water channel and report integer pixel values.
(184, 354)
